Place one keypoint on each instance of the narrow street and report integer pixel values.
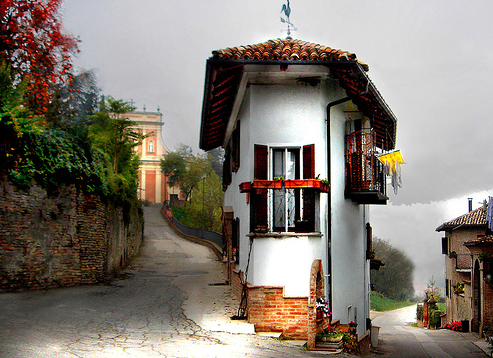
(170, 302)
(398, 339)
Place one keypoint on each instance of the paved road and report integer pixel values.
(400, 340)
(168, 303)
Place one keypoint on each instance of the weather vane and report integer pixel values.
(286, 9)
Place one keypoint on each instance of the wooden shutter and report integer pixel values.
(235, 239)
(309, 161)
(445, 245)
(308, 194)
(236, 148)
(227, 169)
(258, 207)
(369, 241)
(261, 164)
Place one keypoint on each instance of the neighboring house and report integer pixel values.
(153, 185)
(468, 244)
(301, 124)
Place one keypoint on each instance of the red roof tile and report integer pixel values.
(286, 49)
(486, 239)
(224, 72)
(474, 218)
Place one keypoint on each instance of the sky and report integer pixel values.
(432, 61)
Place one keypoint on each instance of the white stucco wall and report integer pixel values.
(295, 115)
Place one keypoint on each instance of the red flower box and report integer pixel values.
(288, 184)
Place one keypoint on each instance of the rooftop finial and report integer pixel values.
(286, 9)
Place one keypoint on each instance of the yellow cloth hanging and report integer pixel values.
(392, 160)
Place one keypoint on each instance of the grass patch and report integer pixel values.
(442, 306)
(381, 303)
(180, 215)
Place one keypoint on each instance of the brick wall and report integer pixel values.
(64, 240)
(488, 305)
(270, 311)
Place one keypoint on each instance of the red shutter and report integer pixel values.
(227, 169)
(261, 164)
(309, 161)
(258, 207)
(236, 148)
(309, 195)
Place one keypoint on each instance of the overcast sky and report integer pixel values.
(431, 60)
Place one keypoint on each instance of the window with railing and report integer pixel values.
(365, 178)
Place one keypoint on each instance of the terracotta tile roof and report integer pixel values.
(225, 69)
(286, 49)
(486, 239)
(472, 219)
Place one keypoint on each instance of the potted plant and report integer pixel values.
(329, 334)
(323, 310)
(352, 327)
(459, 288)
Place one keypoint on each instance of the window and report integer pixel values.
(445, 246)
(285, 202)
(235, 240)
(150, 148)
(283, 209)
(232, 157)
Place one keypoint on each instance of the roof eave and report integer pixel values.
(360, 70)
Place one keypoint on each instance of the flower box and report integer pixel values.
(287, 184)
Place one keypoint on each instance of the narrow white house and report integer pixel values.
(302, 125)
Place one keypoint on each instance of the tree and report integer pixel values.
(15, 119)
(74, 102)
(112, 135)
(216, 157)
(395, 279)
(197, 167)
(173, 166)
(32, 42)
(204, 210)
(185, 169)
(432, 292)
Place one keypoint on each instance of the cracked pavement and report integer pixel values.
(169, 302)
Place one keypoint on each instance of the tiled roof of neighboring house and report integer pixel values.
(472, 219)
(224, 73)
(286, 49)
(486, 239)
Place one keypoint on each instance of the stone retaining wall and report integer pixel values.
(64, 240)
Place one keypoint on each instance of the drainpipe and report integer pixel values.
(329, 204)
(329, 210)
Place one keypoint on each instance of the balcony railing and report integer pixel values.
(365, 177)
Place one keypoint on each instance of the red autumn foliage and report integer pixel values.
(32, 42)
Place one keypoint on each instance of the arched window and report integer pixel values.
(150, 148)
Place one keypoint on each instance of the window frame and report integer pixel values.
(273, 194)
(262, 199)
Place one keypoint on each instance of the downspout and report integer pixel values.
(329, 204)
(329, 209)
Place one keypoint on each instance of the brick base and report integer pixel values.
(270, 311)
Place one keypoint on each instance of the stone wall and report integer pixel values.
(64, 240)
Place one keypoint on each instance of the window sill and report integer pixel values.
(282, 235)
